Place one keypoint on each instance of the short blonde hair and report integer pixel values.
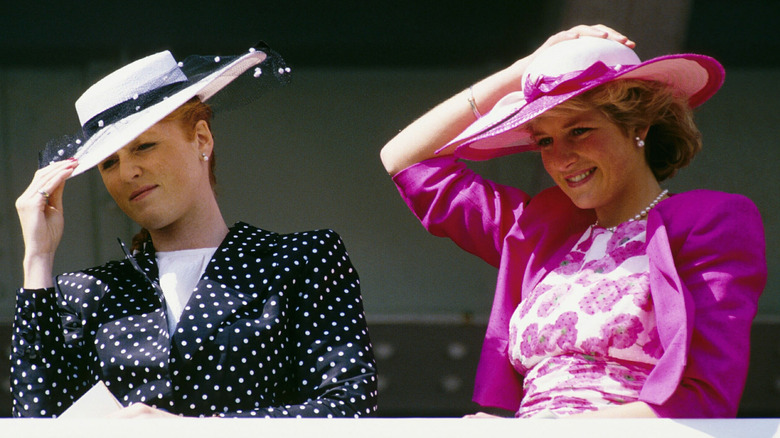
(632, 104)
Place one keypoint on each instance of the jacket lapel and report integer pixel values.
(671, 299)
(233, 278)
(145, 263)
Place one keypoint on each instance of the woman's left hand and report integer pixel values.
(140, 410)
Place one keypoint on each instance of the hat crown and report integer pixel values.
(578, 55)
(127, 83)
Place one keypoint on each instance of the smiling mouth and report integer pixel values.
(577, 178)
(141, 192)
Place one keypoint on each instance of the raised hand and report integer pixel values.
(40, 213)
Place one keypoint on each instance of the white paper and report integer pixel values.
(97, 402)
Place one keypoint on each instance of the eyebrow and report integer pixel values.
(573, 121)
(143, 138)
(581, 118)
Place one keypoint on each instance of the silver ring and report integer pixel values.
(44, 193)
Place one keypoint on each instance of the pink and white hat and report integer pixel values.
(568, 69)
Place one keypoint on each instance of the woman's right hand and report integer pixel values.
(596, 31)
(421, 139)
(40, 213)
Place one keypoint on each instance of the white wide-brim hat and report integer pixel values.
(568, 69)
(121, 106)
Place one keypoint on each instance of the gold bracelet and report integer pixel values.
(473, 102)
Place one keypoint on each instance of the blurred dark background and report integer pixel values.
(378, 33)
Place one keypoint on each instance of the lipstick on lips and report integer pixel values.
(578, 178)
(141, 192)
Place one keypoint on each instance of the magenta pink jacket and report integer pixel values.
(707, 260)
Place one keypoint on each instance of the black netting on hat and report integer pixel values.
(247, 87)
(244, 88)
(58, 149)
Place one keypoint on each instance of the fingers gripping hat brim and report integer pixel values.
(501, 131)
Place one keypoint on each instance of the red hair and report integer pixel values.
(188, 115)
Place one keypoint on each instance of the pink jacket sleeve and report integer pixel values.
(451, 200)
(706, 295)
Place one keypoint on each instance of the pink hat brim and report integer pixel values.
(499, 132)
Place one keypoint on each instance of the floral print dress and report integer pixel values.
(585, 338)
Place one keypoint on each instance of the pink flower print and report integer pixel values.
(598, 266)
(528, 386)
(623, 251)
(571, 263)
(561, 334)
(619, 248)
(548, 337)
(606, 293)
(611, 260)
(601, 297)
(640, 289)
(527, 303)
(550, 366)
(653, 346)
(595, 369)
(628, 230)
(585, 245)
(629, 379)
(549, 301)
(530, 341)
(613, 399)
(571, 405)
(567, 329)
(595, 347)
(622, 331)
(564, 331)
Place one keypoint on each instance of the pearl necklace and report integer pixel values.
(639, 215)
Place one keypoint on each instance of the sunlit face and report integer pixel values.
(158, 179)
(592, 160)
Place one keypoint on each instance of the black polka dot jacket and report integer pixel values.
(274, 328)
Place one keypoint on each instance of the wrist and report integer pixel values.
(37, 269)
(487, 92)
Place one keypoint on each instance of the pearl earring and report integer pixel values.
(639, 142)
(204, 157)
